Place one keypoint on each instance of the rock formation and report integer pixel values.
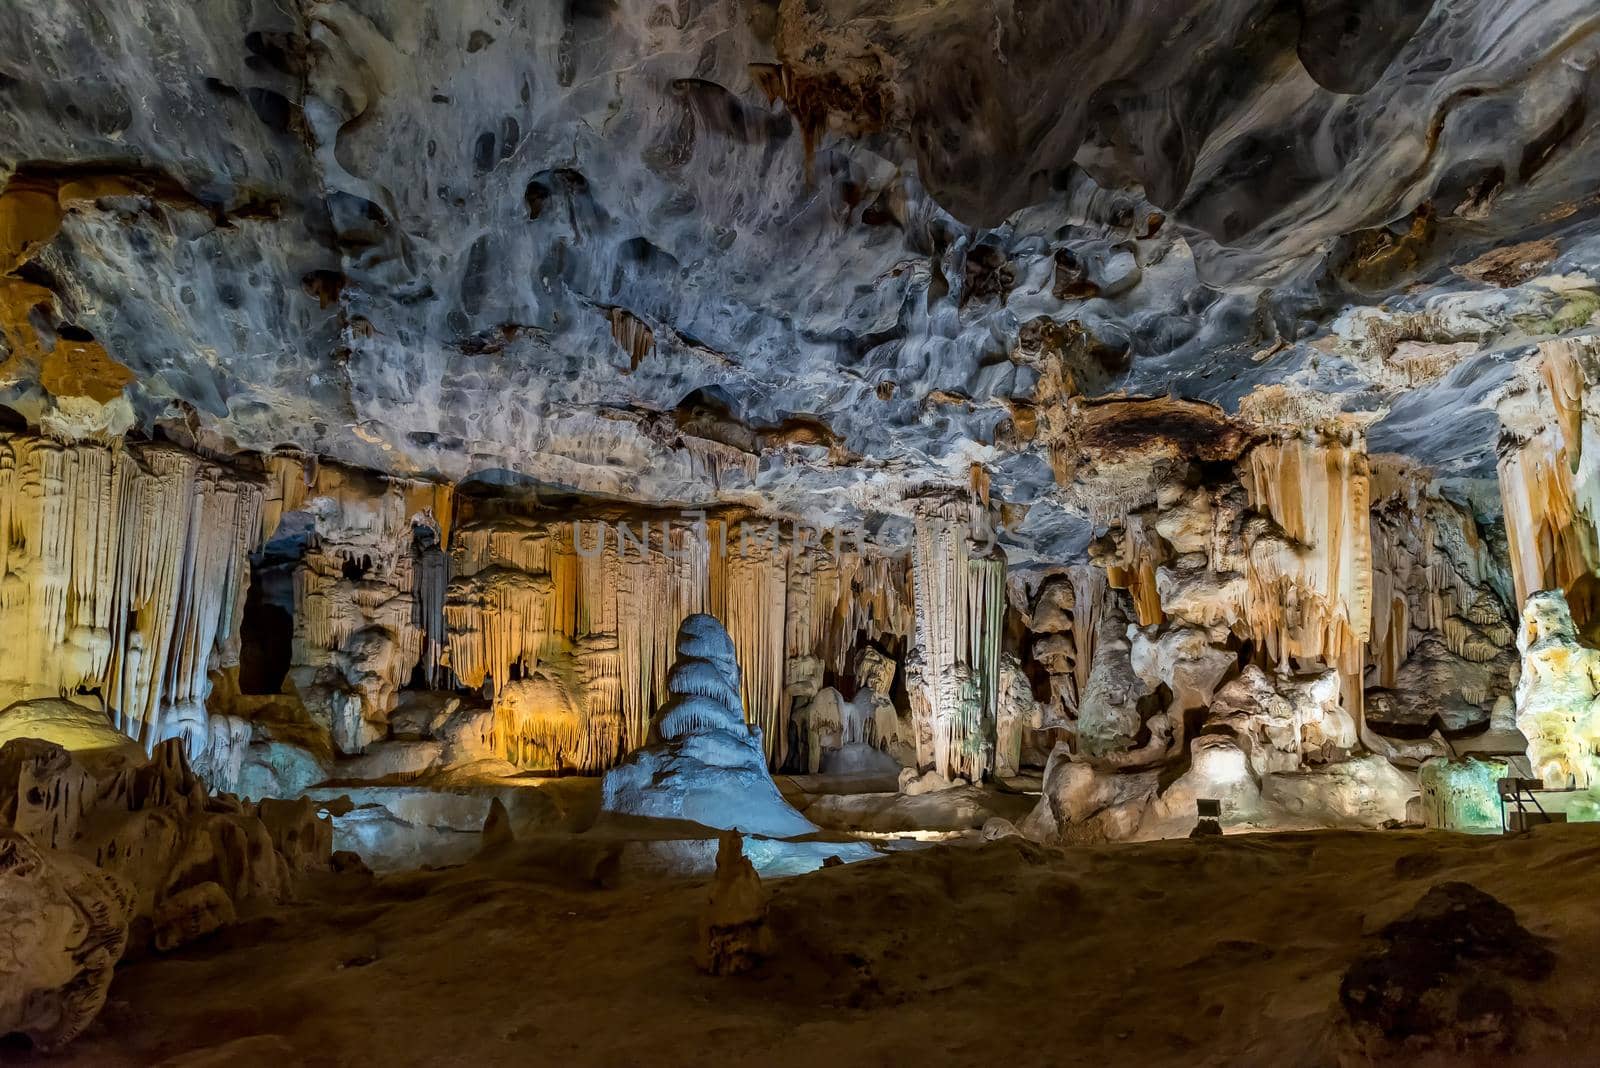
(709, 766)
(155, 826)
(1462, 795)
(733, 935)
(131, 849)
(63, 926)
(1549, 472)
(1454, 974)
(1558, 695)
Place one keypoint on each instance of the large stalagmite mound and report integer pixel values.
(709, 767)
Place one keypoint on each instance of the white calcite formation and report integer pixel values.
(1558, 695)
(708, 767)
(865, 733)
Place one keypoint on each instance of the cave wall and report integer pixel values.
(1291, 549)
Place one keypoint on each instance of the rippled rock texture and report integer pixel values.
(685, 250)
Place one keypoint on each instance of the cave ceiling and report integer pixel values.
(862, 244)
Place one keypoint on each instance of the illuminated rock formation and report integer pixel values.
(367, 590)
(122, 569)
(709, 766)
(544, 720)
(1282, 724)
(1062, 624)
(960, 601)
(1558, 695)
(1550, 475)
(1109, 712)
(1462, 795)
(1311, 598)
(865, 733)
(1083, 804)
(1019, 716)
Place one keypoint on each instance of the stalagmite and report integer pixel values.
(733, 933)
(1558, 695)
(709, 766)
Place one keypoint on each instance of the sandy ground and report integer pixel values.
(1224, 951)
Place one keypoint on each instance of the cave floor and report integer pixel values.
(1220, 951)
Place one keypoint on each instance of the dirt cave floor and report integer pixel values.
(1220, 951)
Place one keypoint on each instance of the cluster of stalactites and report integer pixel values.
(1312, 598)
(122, 570)
(556, 717)
(960, 609)
(837, 595)
(1432, 571)
(365, 571)
(364, 514)
(1550, 477)
(1133, 566)
(616, 593)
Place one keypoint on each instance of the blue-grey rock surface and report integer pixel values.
(854, 246)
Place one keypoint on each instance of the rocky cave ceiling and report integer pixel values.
(862, 244)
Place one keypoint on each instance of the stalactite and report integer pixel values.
(837, 593)
(122, 570)
(633, 335)
(1550, 476)
(1088, 590)
(718, 463)
(960, 606)
(498, 610)
(1431, 572)
(1312, 598)
(755, 595)
(1133, 567)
